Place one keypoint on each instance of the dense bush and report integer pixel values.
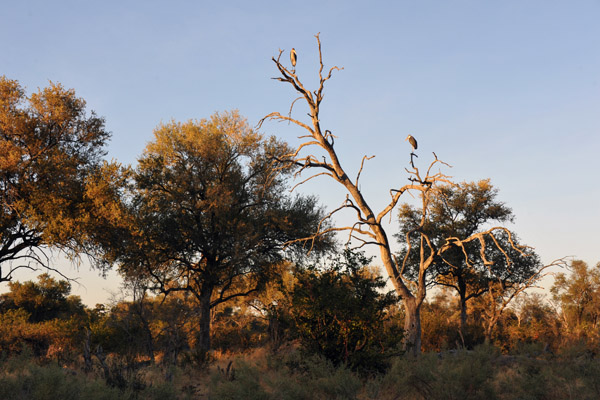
(341, 313)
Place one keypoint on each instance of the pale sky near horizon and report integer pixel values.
(504, 90)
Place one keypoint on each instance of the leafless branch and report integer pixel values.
(292, 106)
(278, 117)
(309, 178)
(362, 164)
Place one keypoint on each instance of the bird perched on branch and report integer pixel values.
(412, 141)
(293, 57)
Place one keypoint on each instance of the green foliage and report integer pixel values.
(440, 325)
(246, 385)
(325, 380)
(533, 323)
(483, 373)
(341, 314)
(44, 300)
(238, 329)
(454, 375)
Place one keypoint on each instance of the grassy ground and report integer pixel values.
(480, 374)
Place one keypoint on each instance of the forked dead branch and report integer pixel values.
(368, 228)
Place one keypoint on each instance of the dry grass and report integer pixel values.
(259, 374)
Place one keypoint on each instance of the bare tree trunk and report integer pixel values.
(412, 326)
(489, 329)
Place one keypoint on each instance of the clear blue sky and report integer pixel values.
(507, 90)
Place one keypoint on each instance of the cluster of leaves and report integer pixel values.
(21, 377)
(206, 213)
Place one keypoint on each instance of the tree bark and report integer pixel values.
(147, 332)
(463, 319)
(204, 332)
(412, 326)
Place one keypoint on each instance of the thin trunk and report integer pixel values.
(87, 354)
(412, 326)
(149, 340)
(491, 317)
(463, 319)
(488, 333)
(462, 293)
(149, 345)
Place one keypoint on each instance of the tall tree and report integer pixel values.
(458, 210)
(369, 227)
(211, 216)
(49, 148)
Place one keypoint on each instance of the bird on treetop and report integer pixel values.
(293, 57)
(412, 141)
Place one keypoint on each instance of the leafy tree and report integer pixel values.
(44, 300)
(49, 147)
(341, 313)
(459, 211)
(578, 296)
(209, 213)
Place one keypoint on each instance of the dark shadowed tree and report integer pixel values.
(43, 300)
(342, 313)
(49, 147)
(210, 213)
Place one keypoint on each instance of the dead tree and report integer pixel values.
(368, 228)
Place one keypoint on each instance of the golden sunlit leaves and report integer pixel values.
(49, 148)
(223, 135)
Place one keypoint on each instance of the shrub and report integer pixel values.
(341, 314)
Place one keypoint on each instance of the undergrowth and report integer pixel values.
(484, 373)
